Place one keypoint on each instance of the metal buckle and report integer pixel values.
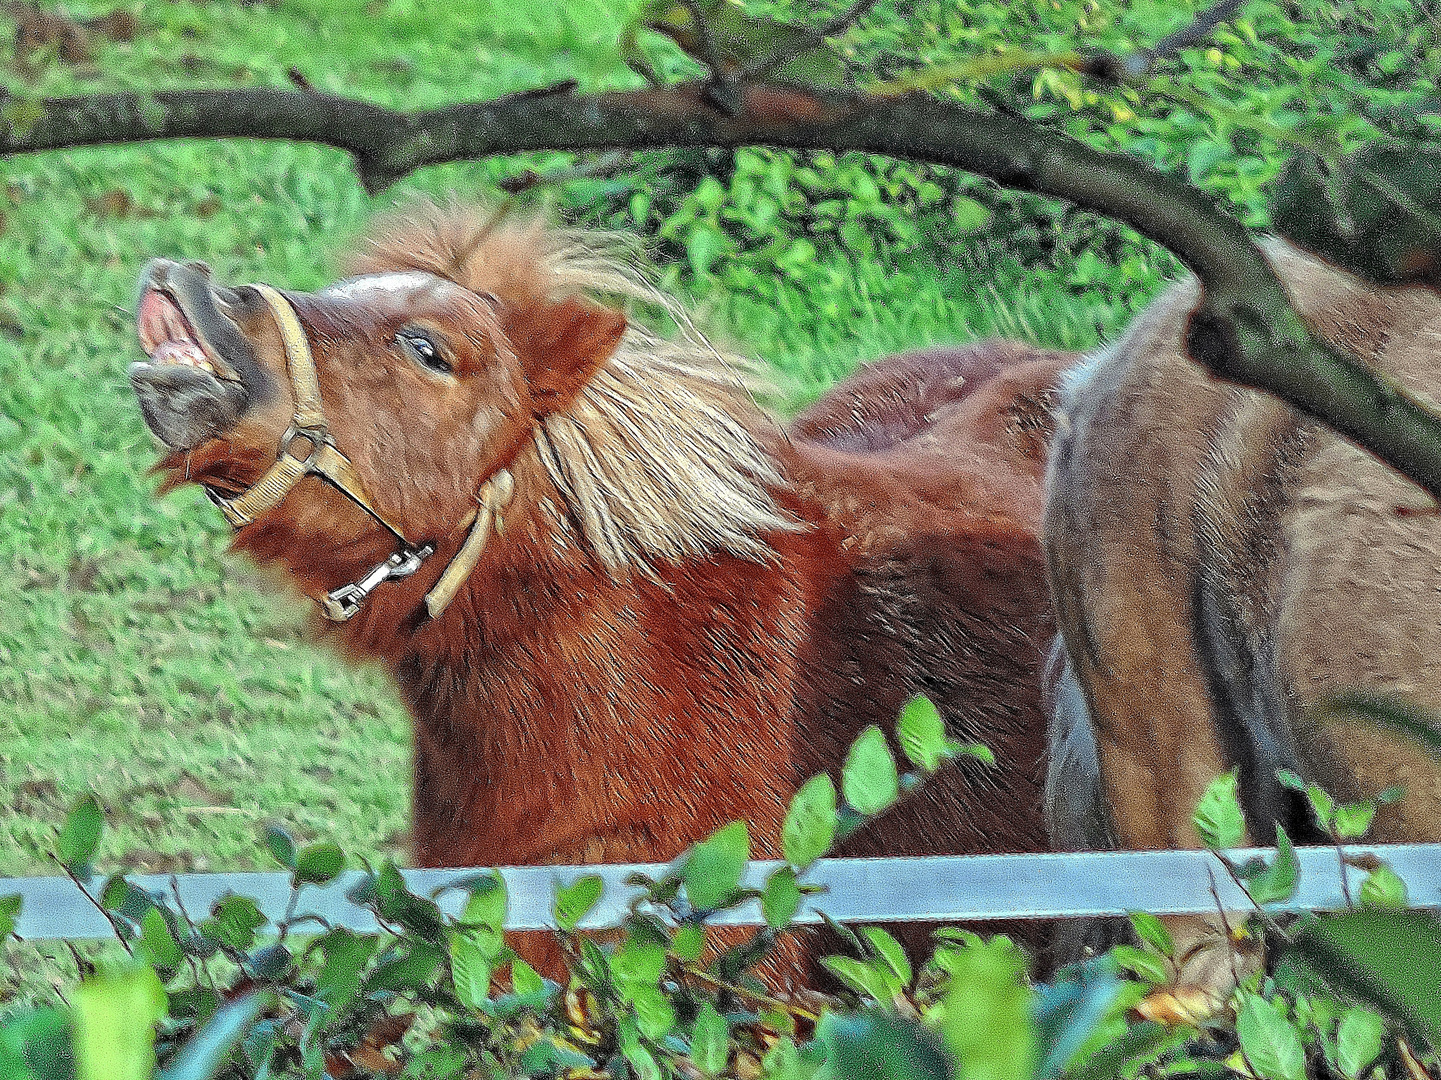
(319, 438)
(341, 604)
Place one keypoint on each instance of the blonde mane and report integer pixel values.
(656, 459)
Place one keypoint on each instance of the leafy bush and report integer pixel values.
(438, 996)
(1280, 78)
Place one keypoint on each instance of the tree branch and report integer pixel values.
(1244, 329)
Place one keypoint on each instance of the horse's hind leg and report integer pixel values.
(1121, 562)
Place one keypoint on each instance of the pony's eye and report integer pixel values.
(423, 351)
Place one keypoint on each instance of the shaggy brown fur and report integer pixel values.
(1223, 568)
(686, 611)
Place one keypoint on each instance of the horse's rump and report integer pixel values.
(1223, 569)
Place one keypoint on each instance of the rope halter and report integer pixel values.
(324, 459)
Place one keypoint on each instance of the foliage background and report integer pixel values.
(136, 658)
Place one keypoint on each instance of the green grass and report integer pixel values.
(136, 658)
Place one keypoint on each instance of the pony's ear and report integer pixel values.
(561, 345)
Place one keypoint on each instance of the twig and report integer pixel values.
(115, 924)
(1226, 922)
(1119, 68)
(195, 968)
(698, 974)
(1341, 858)
(705, 46)
(1199, 29)
(1267, 919)
(761, 66)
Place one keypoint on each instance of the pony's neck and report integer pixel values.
(502, 692)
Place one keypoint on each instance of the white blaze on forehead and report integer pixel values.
(395, 282)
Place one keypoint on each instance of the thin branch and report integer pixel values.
(1243, 330)
(1119, 68)
(1199, 30)
(766, 63)
(706, 51)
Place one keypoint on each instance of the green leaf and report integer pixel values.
(397, 904)
(637, 963)
(1138, 1043)
(810, 823)
(1269, 1039)
(969, 214)
(922, 733)
(871, 978)
(641, 1061)
(446, 1062)
(545, 1057)
(653, 1011)
(890, 951)
(1322, 806)
(1353, 819)
(470, 971)
(878, 1045)
(408, 972)
(1141, 963)
(524, 980)
(704, 244)
(1218, 818)
(319, 863)
(710, 1041)
(980, 751)
(1277, 882)
(115, 1017)
(689, 941)
(281, 845)
(37, 1044)
(985, 1017)
(233, 922)
(1152, 931)
(158, 943)
(208, 1050)
(487, 904)
(271, 963)
(125, 898)
(346, 954)
(80, 835)
(714, 868)
(868, 779)
(9, 913)
(781, 898)
(1382, 888)
(574, 901)
(1358, 1041)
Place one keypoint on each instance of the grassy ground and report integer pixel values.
(135, 656)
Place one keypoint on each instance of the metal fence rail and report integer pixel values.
(931, 889)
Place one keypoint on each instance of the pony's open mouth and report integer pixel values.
(199, 373)
(168, 338)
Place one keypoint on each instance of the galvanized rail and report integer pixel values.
(930, 889)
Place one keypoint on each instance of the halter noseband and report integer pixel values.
(325, 460)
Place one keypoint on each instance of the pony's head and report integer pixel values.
(460, 349)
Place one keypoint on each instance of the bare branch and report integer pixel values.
(1199, 30)
(1134, 65)
(767, 63)
(1244, 329)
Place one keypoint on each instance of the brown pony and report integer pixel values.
(1223, 570)
(680, 610)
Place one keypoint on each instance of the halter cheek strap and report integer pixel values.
(325, 460)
